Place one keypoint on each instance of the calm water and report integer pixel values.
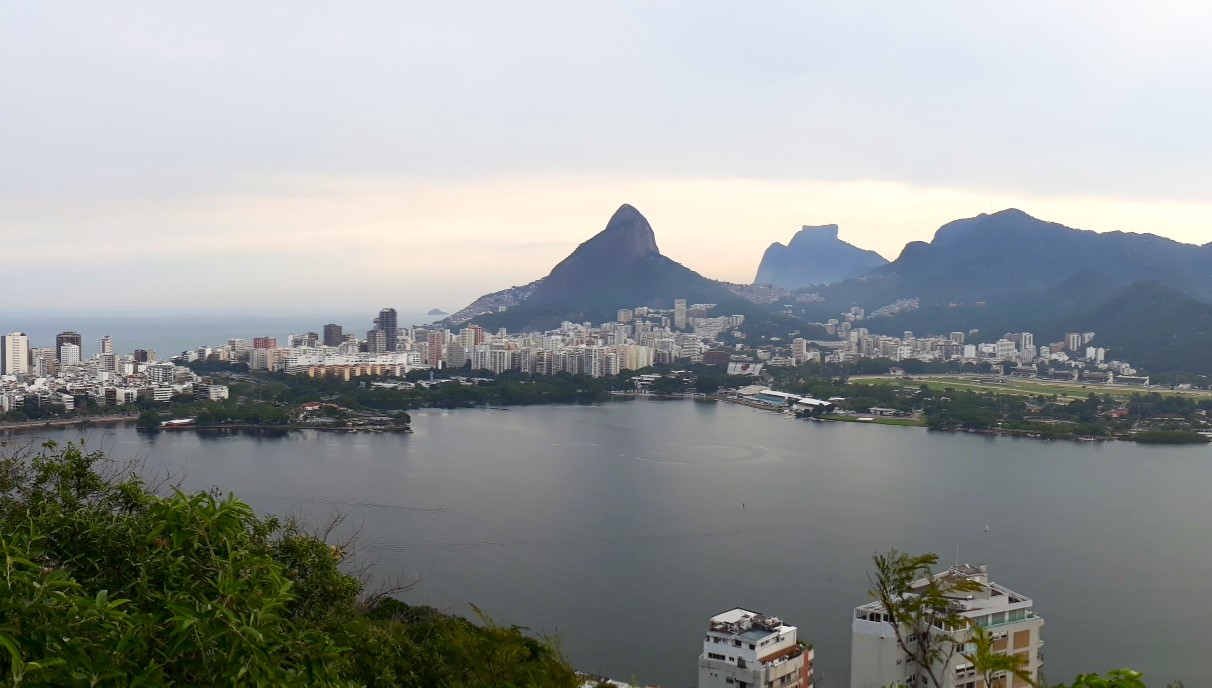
(623, 527)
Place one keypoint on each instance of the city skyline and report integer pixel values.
(499, 140)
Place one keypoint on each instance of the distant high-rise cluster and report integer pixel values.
(390, 327)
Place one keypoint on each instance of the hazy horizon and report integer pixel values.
(300, 155)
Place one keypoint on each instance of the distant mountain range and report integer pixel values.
(815, 255)
(1147, 298)
(1009, 272)
(1011, 252)
(620, 267)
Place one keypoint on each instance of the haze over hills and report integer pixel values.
(997, 273)
(815, 255)
(620, 267)
(1010, 253)
(1010, 272)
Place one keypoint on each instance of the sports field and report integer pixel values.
(1026, 387)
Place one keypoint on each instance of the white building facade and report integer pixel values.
(14, 354)
(745, 649)
(876, 661)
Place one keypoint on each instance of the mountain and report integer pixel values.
(620, 267)
(1007, 254)
(1148, 298)
(815, 255)
(1012, 251)
(1154, 327)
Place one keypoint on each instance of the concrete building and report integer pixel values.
(14, 354)
(105, 345)
(161, 373)
(69, 354)
(876, 660)
(265, 342)
(209, 392)
(68, 338)
(390, 327)
(436, 341)
(43, 362)
(376, 341)
(1005, 350)
(333, 336)
(308, 340)
(744, 649)
(679, 314)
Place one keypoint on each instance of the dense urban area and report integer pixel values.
(337, 380)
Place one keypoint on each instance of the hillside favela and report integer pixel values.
(414, 345)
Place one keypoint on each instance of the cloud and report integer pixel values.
(302, 242)
(295, 153)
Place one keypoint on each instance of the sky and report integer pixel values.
(299, 156)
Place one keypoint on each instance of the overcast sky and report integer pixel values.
(298, 155)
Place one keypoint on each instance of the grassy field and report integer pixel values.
(1019, 386)
(879, 420)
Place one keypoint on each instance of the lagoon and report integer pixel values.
(622, 527)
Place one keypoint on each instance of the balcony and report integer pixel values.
(1026, 617)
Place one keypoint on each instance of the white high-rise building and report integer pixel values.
(1005, 350)
(14, 354)
(876, 660)
(744, 649)
(105, 345)
(69, 354)
(679, 313)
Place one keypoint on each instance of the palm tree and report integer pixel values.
(989, 662)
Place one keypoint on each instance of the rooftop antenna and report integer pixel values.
(957, 555)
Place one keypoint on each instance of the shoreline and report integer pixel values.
(105, 421)
(63, 423)
(59, 423)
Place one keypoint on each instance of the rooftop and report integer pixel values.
(744, 623)
(990, 596)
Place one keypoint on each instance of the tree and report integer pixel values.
(918, 604)
(1118, 678)
(667, 385)
(104, 581)
(148, 420)
(988, 662)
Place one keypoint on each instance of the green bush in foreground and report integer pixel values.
(106, 583)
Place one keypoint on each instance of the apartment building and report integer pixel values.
(876, 661)
(745, 649)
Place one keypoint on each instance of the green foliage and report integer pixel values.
(919, 603)
(148, 420)
(1118, 678)
(990, 662)
(107, 583)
